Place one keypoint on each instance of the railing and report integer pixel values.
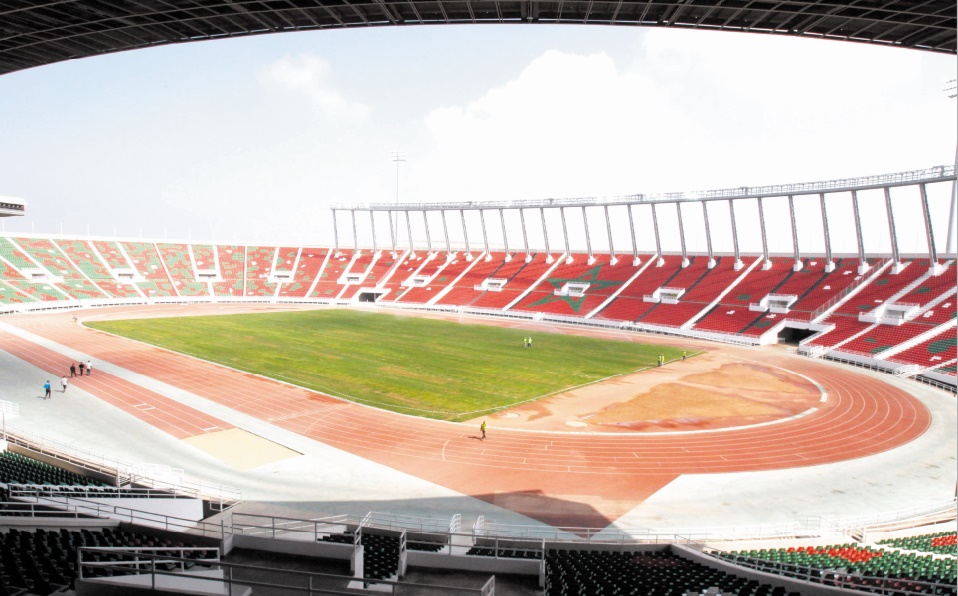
(290, 528)
(934, 174)
(220, 497)
(851, 287)
(235, 577)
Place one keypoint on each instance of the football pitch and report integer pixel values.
(426, 367)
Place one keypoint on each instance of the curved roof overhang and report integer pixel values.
(33, 33)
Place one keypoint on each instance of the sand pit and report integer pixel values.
(240, 449)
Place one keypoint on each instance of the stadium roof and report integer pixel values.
(33, 33)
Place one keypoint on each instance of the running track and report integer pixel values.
(563, 479)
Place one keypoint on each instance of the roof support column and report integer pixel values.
(335, 233)
(658, 243)
(445, 232)
(565, 235)
(608, 231)
(862, 263)
(738, 255)
(352, 212)
(485, 237)
(505, 239)
(428, 236)
(767, 264)
(829, 264)
(791, 215)
(412, 249)
(465, 234)
(588, 240)
(708, 233)
(636, 261)
(545, 234)
(372, 225)
(685, 254)
(934, 267)
(896, 265)
(392, 231)
(525, 237)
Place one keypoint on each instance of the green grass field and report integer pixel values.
(427, 367)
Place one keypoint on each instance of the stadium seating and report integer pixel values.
(259, 264)
(308, 265)
(446, 273)
(231, 260)
(328, 286)
(519, 276)
(938, 349)
(85, 258)
(374, 269)
(942, 543)
(464, 292)
(49, 257)
(701, 284)
(732, 315)
(629, 304)
(176, 258)
(146, 260)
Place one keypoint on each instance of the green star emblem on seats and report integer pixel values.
(591, 277)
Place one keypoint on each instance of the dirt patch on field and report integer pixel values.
(709, 391)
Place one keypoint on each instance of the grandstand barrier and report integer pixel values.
(116, 472)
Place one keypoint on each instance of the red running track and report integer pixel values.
(562, 479)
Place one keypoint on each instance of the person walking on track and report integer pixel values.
(482, 427)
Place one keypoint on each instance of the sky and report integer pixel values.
(251, 140)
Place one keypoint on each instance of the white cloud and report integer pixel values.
(312, 76)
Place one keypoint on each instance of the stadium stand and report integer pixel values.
(259, 265)
(308, 265)
(231, 263)
(176, 258)
(465, 292)
(50, 258)
(520, 275)
(591, 285)
(154, 282)
(327, 286)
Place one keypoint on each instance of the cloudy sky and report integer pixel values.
(252, 139)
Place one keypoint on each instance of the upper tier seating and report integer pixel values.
(20, 469)
(942, 543)
(259, 264)
(52, 259)
(328, 285)
(231, 260)
(464, 292)
(603, 279)
(308, 264)
(88, 261)
(146, 260)
(176, 257)
(442, 270)
(521, 276)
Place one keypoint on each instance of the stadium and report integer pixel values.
(746, 390)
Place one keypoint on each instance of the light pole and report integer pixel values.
(397, 157)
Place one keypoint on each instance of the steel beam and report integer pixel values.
(445, 232)
(685, 254)
(465, 234)
(412, 249)
(791, 216)
(588, 240)
(635, 247)
(929, 231)
(829, 264)
(565, 234)
(862, 263)
(545, 234)
(897, 265)
(525, 237)
(738, 255)
(708, 234)
(767, 264)
(658, 242)
(505, 238)
(428, 235)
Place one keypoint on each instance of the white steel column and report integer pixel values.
(565, 235)
(934, 267)
(658, 243)
(372, 225)
(588, 240)
(636, 261)
(352, 212)
(896, 265)
(545, 234)
(335, 233)
(485, 237)
(791, 215)
(767, 264)
(392, 231)
(505, 239)
(445, 231)
(608, 230)
(685, 255)
(738, 256)
(425, 220)
(412, 249)
(829, 264)
(525, 237)
(465, 234)
(862, 263)
(708, 233)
